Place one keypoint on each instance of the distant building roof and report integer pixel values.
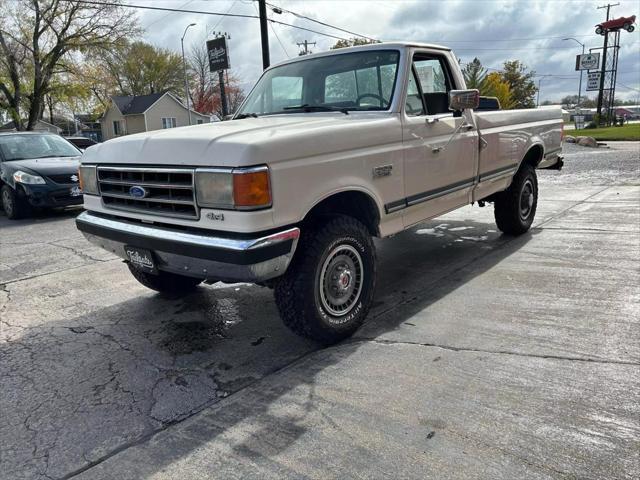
(12, 126)
(132, 105)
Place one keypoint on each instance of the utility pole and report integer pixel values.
(264, 33)
(221, 79)
(306, 47)
(184, 69)
(603, 68)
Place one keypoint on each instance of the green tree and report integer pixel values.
(40, 39)
(139, 68)
(474, 74)
(523, 88)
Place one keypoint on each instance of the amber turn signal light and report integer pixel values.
(251, 189)
(80, 178)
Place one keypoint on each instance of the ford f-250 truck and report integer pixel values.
(327, 151)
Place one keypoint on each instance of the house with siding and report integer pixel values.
(40, 126)
(142, 113)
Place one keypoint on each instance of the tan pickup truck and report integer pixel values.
(327, 151)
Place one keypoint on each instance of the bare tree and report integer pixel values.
(203, 82)
(205, 86)
(38, 38)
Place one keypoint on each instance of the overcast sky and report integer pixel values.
(492, 30)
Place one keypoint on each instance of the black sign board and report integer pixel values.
(218, 54)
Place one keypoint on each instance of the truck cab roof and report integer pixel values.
(359, 48)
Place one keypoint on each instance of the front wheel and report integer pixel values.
(515, 208)
(327, 291)
(165, 282)
(14, 206)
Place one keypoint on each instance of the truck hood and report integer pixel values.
(251, 141)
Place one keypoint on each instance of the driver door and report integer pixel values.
(439, 174)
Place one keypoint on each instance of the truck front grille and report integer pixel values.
(166, 191)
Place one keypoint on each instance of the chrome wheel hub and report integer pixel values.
(526, 199)
(340, 281)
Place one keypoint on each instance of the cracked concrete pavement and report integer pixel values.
(484, 356)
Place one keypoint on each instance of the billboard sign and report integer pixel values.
(218, 54)
(587, 61)
(593, 81)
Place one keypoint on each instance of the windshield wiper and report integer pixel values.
(246, 115)
(317, 108)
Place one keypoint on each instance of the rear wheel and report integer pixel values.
(327, 291)
(515, 208)
(14, 206)
(165, 282)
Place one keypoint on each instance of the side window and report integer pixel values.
(432, 75)
(414, 105)
(286, 92)
(434, 82)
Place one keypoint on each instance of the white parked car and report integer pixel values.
(327, 151)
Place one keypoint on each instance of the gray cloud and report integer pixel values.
(490, 30)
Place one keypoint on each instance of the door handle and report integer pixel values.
(468, 126)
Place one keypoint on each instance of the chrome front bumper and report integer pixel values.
(196, 254)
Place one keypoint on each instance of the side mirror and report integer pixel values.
(462, 99)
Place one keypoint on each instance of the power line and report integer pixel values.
(322, 23)
(627, 86)
(275, 33)
(202, 12)
(226, 14)
(167, 14)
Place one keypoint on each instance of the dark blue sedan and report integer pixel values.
(37, 169)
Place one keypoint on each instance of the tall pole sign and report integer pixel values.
(218, 54)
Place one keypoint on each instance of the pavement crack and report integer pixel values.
(498, 352)
(77, 252)
(31, 277)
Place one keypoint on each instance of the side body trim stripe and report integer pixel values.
(417, 198)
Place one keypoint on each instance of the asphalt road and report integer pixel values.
(484, 356)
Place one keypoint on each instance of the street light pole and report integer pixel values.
(184, 68)
(539, 82)
(580, 84)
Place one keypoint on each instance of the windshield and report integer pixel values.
(350, 81)
(21, 147)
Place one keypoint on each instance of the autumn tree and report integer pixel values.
(523, 88)
(494, 86)
(38, 40)
(205, 86)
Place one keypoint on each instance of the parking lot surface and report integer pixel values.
(484, 356)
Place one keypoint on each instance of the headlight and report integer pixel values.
(27, 178)
(88, 178)
(240, 188)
